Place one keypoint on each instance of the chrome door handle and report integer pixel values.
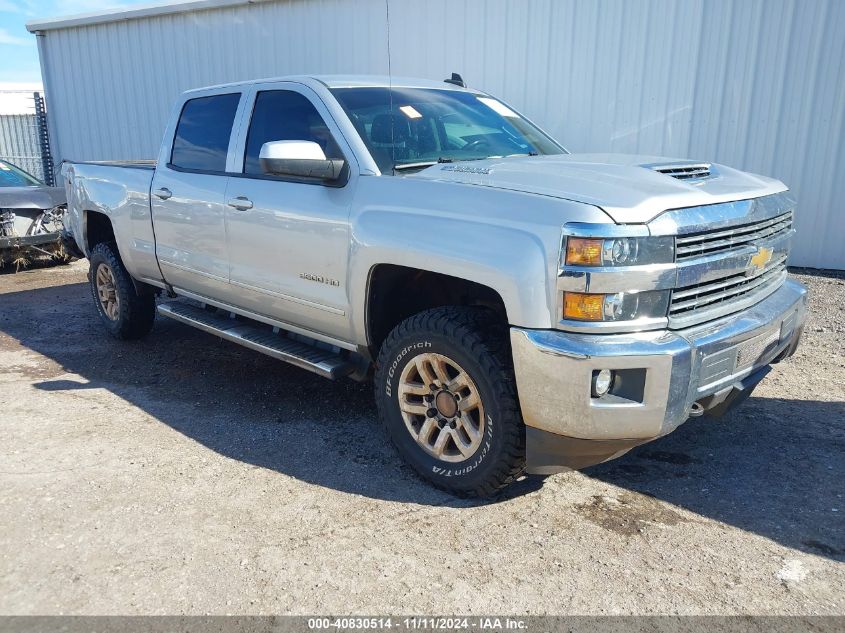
(164, 193)
(240, 203)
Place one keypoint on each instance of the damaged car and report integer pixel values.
(31, 215)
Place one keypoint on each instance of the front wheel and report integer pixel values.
(126, 313)
(446, 395)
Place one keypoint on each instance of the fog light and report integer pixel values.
(602, 382)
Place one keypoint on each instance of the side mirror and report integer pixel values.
(301, 159)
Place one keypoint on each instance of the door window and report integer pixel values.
(202, 135)
(285, 115)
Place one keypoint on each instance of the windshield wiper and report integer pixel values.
(421, 165)
(429, 163)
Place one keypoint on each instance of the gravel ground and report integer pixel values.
(185, 475)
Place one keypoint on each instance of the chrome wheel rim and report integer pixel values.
(441, 407)
(107, 291)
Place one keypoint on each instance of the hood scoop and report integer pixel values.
(685, 171)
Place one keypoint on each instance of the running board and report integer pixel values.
(261, 338)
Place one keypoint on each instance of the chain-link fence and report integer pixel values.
(23, 133)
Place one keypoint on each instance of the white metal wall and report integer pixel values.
(19, 142)
(756, 84)
(110, 87)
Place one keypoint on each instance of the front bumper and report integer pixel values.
(660, 377)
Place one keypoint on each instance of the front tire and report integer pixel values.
(446, 395)
(126, 313)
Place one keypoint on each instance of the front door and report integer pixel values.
(288, 239)
(187, 197)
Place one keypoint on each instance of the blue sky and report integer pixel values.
(18, 52)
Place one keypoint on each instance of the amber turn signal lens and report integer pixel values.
(583, 307)
(583, 252)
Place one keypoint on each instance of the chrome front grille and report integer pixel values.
(715, 242)
(734, 292)
(728, 256)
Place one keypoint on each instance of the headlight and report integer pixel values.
(618, 306)
(618, 251)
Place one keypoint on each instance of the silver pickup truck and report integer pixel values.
(519, 308)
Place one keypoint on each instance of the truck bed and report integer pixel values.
(120, 191)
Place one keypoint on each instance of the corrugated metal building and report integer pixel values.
(19, 142)
(755, 84)
(20, 135)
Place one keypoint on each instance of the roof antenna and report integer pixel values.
(456, 80)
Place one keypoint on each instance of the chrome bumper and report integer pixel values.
(660, 375)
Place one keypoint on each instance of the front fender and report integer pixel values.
(508, 241)
(512, 262)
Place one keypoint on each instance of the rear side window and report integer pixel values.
(202, 135)
(285, 115)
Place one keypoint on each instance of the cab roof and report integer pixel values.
(348, 81)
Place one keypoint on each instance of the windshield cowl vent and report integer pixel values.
(686, 171)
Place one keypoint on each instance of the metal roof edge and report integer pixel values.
(141, 11)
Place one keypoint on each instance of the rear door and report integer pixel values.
(187, 194)
(289, 238)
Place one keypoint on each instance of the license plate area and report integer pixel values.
(758, 350)
(718, 366)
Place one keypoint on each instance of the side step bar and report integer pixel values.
(259, 337)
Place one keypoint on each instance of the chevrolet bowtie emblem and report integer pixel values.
(758, 262)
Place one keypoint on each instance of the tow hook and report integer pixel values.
(696, 410)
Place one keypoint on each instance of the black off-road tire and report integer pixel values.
(480, 344)
(136, 311)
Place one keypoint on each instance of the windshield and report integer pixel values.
(428, 125)
(11, 176)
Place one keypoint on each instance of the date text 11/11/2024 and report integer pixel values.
(420, 623)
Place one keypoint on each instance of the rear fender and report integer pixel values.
(121, 194)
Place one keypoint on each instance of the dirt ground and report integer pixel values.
(185, 475)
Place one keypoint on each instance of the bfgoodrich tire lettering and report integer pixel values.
(128, 314)
(472, 341)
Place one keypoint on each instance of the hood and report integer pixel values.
(626, 187)
(42, 197)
